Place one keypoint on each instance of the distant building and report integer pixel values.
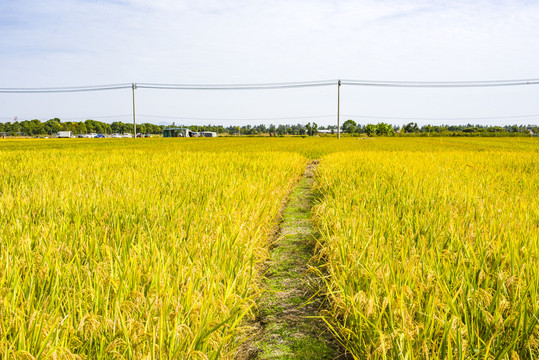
(178, 132)
(208, 134)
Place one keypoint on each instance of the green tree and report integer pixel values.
(312, 129)
(410, 128)
(349, 126)
(384, 129)
(52, 126)
(272, 129)
(16, 127)
(82, 128)
(370, 129)
(90, 125)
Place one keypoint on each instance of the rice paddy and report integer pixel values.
(154, 248)
(432, 255)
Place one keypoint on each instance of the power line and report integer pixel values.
(444, 118)
(253, 86)
(347, 115)
(82, 117)
(290, 85)
(239, 119)
(280, 85)
(68, 89)
(300, 117)
(98, 117)
(442, 84)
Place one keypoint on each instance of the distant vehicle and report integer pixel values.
(100, 136)
(116, 136)
(147, 135)
(63, 134)
(127, 135)
(80, 136)
(92, 135)
(139, 135)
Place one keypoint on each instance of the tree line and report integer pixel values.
(53, 126)
(412, 129)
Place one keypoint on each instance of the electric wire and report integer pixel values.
(84, 117)
(280, 85)
(287, 85)
(253, 86)
(69, 89)
(443, 118)
(442, 84)
(196, 118)
(238, 119)
(343, 115)
(99, 117)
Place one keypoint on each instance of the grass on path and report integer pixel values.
(288, 318)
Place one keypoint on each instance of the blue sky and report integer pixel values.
(92, 42)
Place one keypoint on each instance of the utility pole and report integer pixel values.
(339, 110)
(134, 86)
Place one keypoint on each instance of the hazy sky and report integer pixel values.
(92, 42)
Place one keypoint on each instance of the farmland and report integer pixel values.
(153, 248)
(130, 253)
(432, 255)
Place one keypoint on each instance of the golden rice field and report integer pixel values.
(152, 248)
(130, 253)
(432, 255)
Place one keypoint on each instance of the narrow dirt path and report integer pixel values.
(289, 327)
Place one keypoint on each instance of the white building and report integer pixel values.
(208, 134)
